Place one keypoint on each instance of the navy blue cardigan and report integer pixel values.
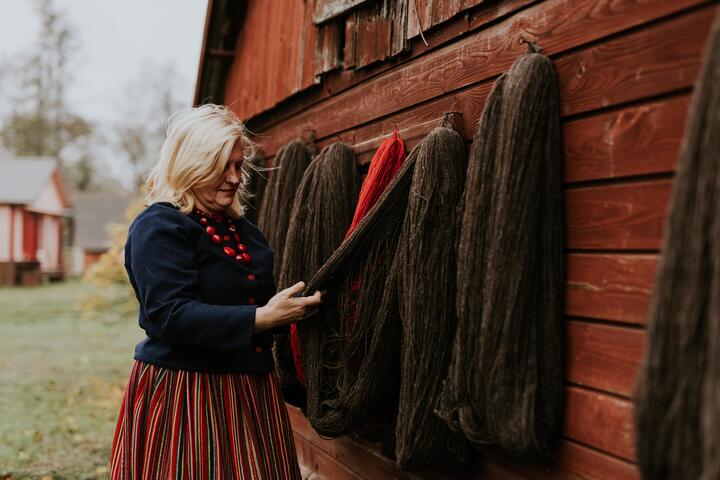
(197, 305)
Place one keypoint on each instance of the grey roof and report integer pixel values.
(93, 211)
(22, 179)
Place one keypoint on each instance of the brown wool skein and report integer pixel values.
(321, 214)
(274, 217)
(426, 261)
(677, 411)
(506, 378)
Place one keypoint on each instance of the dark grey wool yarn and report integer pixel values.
(382, 271)
(677, 399)
(321, 214)
(426, 260)
(277, 202)
(505, 384)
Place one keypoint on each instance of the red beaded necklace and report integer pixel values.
(221, 229)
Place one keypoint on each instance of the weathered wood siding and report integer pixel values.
(626, 71)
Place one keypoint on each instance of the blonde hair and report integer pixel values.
(195, 152)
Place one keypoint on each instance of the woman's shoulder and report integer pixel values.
(158, 216)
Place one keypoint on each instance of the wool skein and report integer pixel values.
(354, 373)
(426, 261)
(321, 214)
(277, 203)
(274, 220)
(505, 382)
(677, 412)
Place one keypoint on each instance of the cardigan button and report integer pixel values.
(251, 277)
(226, 238)
(258, 349)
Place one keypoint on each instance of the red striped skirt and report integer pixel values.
(193, 425)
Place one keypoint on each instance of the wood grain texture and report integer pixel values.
(425, 14)
(617, 217)
(573, 461)
(593, 419)
(480, 57)
(327, 49)
(639, 140)
(600, 421)
(374, 33)
(610, 287)
(340, 80)
(329, 9)
(318, 463)
(604, 357)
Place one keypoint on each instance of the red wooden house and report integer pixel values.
(33, 202)
(356, 69)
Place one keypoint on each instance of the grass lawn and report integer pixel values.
(61, 383)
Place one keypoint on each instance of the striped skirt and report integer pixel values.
(176, 424)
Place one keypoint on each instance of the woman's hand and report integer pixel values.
(286, 308)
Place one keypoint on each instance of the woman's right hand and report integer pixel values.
(286, 308)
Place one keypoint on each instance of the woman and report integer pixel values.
(203, 400)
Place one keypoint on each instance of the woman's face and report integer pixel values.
(218, 195)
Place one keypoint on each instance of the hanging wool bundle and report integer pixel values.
(677, 412)
(256, 183)
(384, 165)
(426, 266)
(321, 214)
(348, 377)
(274, 217)
(353, 375)
(505, 382)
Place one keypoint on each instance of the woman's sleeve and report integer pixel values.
(161, 265)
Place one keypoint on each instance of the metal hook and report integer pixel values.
(533, 47)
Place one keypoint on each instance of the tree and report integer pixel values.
(40, 122)
(141, 133)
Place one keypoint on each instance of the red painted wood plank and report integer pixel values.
(626, 216)
(355, 456)
(573, 461)
(604, 357)
(426, 14)
(319, 463)
(610, 287)
(342, 79)
(478, 57)
(633, 141)
(663, 58)
(600, 421)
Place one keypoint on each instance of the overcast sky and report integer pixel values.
(117, 40)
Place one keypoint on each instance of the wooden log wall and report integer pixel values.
(626, 70)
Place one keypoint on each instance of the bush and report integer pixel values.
(110, 296)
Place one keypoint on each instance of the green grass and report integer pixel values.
(61, 383)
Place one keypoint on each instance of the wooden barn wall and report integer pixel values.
(626, 70)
